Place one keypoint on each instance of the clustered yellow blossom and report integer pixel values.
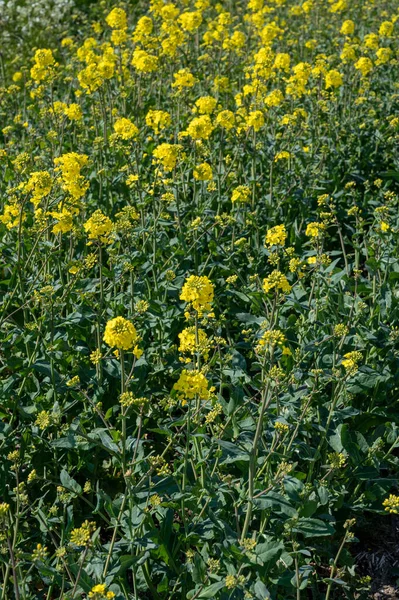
(81, 536)
(315, 230)
(70, 165)
(120, 333)
(191, 384)
(276, 281)
(276, 236)
(167, 155)
(351, 360)
(42, 68)
(194, 341)
(99, 591)
(39, 184)
(241, 194)
(125, 129)
(199, 292)
(391, 504)
(203, 172)
(99, 227)
(158, 120)
(271, 338)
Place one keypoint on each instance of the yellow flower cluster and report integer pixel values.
(241, 194)
(81, 536)
(199, 292)
(192, 342)
(315, 230)
(99, 591)
(203, 172)
(120, 333)
(125, 129)
(392, 504)
(276, 236)
(158, 120)
(271, 338)
(351, 360)
(167, 155)
(70, 165)
(192, 384)
(39, 184)
(276, 281)
(99, 227)
(144, 62)
(41, 69)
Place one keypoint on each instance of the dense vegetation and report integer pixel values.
(199, 287)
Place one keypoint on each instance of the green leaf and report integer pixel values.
(313, 528)
(69, 483)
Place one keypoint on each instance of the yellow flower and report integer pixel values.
(167, 155)
(282, 155)
(190, 21)
(350, 361)
(348, 27)
(386, 29)
(278, 281)
(44, 60)
(117, 19)
(158, 120)
(121, 333)
(383, 56)
(203, 172)
(271, 338)
(64, 220)
(192, 342)
(192, 384)
(276, 236)
(392, 504)
(144, 62)
(99, 227)
(206, 105)
(71, 180)
(125, 129)
(275, 98)
(183, 79)
(200, 128)
(364, 65)
(242, 193)
(73, 112)
(11, 215)
(40, 184)
(384, 226)
(199, 292)
(255, 119)
(282, 62)
(226, 119)
(333, 79)
(315, 230)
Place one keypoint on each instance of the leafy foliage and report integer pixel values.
(199, 301)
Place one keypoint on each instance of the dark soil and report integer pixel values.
(377, 554)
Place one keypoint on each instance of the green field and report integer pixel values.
(199, 300)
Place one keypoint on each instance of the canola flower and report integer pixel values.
(276, 281)
(199, 292)
(99, 227)
(69, 166)
(391, 504)
(351, 361)
(193, 342)
(276, 236)
(125, 129)
(120, 333)
(191, 384)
